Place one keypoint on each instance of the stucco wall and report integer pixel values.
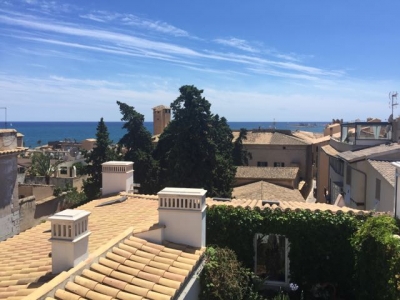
(9, 209)
(290, 156)
(38, 190)
(57, 182)
(322, 175)
(386, 203)
(33, 213)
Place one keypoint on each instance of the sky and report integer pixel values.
(255, 60)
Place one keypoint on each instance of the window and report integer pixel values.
(64, 170)
(271, 261)
(337, 165)
(348, 175)
(262, 164)
(279, 164)
(378, 189)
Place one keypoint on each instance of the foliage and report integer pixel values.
(139, 148)
(72, 198)
(195, 148)
(80, 168)
(377, 253)
(320, 248)
(240, 155)
(223, 277)
(42, 166)
(95, 158)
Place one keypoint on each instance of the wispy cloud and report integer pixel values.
(128, 43)
(49, 7)
(133, 20)
(238, 44)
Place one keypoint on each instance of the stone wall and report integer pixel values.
(9, 209)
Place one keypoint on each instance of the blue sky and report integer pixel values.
(255, 60)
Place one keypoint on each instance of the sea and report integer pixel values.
(40, 133)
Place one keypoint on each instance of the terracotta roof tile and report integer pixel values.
(287, 205)
(120, 275)
(267, 172)
(266, 191)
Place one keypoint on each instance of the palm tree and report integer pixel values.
(42, 166)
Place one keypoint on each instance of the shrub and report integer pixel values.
(377, 259)
(224, 277)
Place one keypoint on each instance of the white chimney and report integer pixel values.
(117, 176)
(183, 212)
(69, 239)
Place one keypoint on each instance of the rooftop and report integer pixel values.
(269, 138)
(386, 169)
(328, 149)
(267, 191)
(372, 152)
(286, 205)
(13, 151)
(129, 268)
(267, 172)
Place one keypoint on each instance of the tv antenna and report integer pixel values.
(393, 100)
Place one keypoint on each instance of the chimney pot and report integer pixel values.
(69, 239)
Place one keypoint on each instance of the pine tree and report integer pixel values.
(94, 158)
(195, 149)
(240, 155)
(138, 145)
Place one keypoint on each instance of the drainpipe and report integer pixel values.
(365, 182)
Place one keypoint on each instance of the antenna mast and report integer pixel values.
(393, 98)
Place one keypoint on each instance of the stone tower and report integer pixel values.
(161, 118)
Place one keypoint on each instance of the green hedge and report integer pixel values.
(321, 247)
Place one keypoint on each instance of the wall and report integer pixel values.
(33, 213)
(40, 191)
(322, 175)
(386, 203)
(58, 182)
(291, 156)
(9, 209)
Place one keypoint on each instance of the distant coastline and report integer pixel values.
(44, 132)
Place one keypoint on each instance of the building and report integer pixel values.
(278, 148)
(161, 118)
(88, 144)
(347, 165)
(9, 203)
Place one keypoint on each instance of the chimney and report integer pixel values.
(117, 177)
(69, 239)
(183, 212)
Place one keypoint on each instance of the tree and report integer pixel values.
(138, 145)
(94, 159)
(240, 155)
(42, 166)
(195, 148)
